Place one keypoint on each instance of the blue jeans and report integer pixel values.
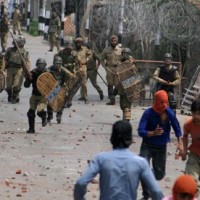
(157, 155)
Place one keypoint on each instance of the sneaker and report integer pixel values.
(50, 50)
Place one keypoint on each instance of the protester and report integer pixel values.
(120, 170)
(191, 128)
(184, 188)
(154, 127)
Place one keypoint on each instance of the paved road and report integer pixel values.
(45, 165)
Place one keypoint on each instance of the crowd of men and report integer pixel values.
(154, 126)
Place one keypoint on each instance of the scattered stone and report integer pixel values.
(18, 171)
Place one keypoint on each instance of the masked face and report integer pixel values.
(160, 101)
(168, 61)
(58, 66)
(41, 67)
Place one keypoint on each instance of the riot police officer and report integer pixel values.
(54, 31)
(37, 101)
(167, 77)
(83, 54)
(61, 75)
(125, 103)
(14, 66)
(4, 30)
(110, 58)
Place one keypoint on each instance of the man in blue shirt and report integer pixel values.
(120, 170)
(154, 128)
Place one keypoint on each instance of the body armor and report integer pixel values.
(168, 75)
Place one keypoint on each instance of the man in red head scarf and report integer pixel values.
(184, 187)
(154, 127)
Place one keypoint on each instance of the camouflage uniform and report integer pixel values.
(14, 64)
(92, 73)
(70, 61)
(2, 62)
(54, 31)
(4, 30)
(16, 21)
(125, 104)
(61, 76)
(112, 56)
(36, 102)
(83, 54)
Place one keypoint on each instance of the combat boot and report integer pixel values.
(31, 122)
(49, 118)
(111, 102)
(101, 95)
(44, 122)
(9, 95)
(58, 119)
(81, 99)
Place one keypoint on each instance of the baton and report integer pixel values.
(102, 78)
(24, 66)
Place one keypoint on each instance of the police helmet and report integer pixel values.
(57, 60)
(168, 55)
(126, 53)
(20, 40)
(41, 63)
(69, 45)
(121, 136)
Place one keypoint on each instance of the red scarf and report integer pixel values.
(160, 101)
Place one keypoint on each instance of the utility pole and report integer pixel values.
(78, 17)
(41, 19)
(47, 18)
(28, 15)
(121, 22)
(62, 22)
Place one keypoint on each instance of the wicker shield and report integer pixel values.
(54, 93)
(2, 81)
(73, 84)
(128, 79)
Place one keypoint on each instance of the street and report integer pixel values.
(46, 164)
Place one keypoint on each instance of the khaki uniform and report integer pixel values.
(125, 104)
(111, 57)
(4, 31)
(16, 21)
(83, 54)
(54, 32)
(14, 65)
(92, 72)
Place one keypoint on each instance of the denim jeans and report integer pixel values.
(156, 155)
